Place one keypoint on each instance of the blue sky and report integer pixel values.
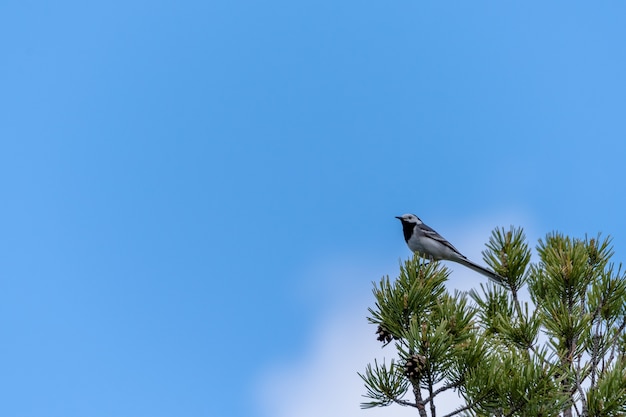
(196, 196)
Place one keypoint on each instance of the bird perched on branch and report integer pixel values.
(429, 244)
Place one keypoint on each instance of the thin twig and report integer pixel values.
(440, 390)
(459, 410)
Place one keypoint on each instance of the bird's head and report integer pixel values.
(409, 219)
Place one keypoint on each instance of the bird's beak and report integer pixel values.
(398, 217)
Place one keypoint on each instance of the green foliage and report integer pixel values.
(564, 351)
(384, 385)
(518, 385)
(608, 396)
(509, 255)
(416, 291)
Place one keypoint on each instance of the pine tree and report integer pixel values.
(561, 354)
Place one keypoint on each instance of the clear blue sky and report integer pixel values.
(173, 174)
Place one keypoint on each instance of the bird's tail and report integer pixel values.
(481, 270)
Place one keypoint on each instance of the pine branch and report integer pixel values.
(613, 341)
(460, 410)
(439, 390)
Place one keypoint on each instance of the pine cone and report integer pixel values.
(383, 334)
(413, 366)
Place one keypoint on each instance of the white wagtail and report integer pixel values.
(431, 245)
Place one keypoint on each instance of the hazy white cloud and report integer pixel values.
(324, 380)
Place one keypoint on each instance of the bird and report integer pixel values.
(429, 244)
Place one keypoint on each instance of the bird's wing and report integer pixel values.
(431, 233)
